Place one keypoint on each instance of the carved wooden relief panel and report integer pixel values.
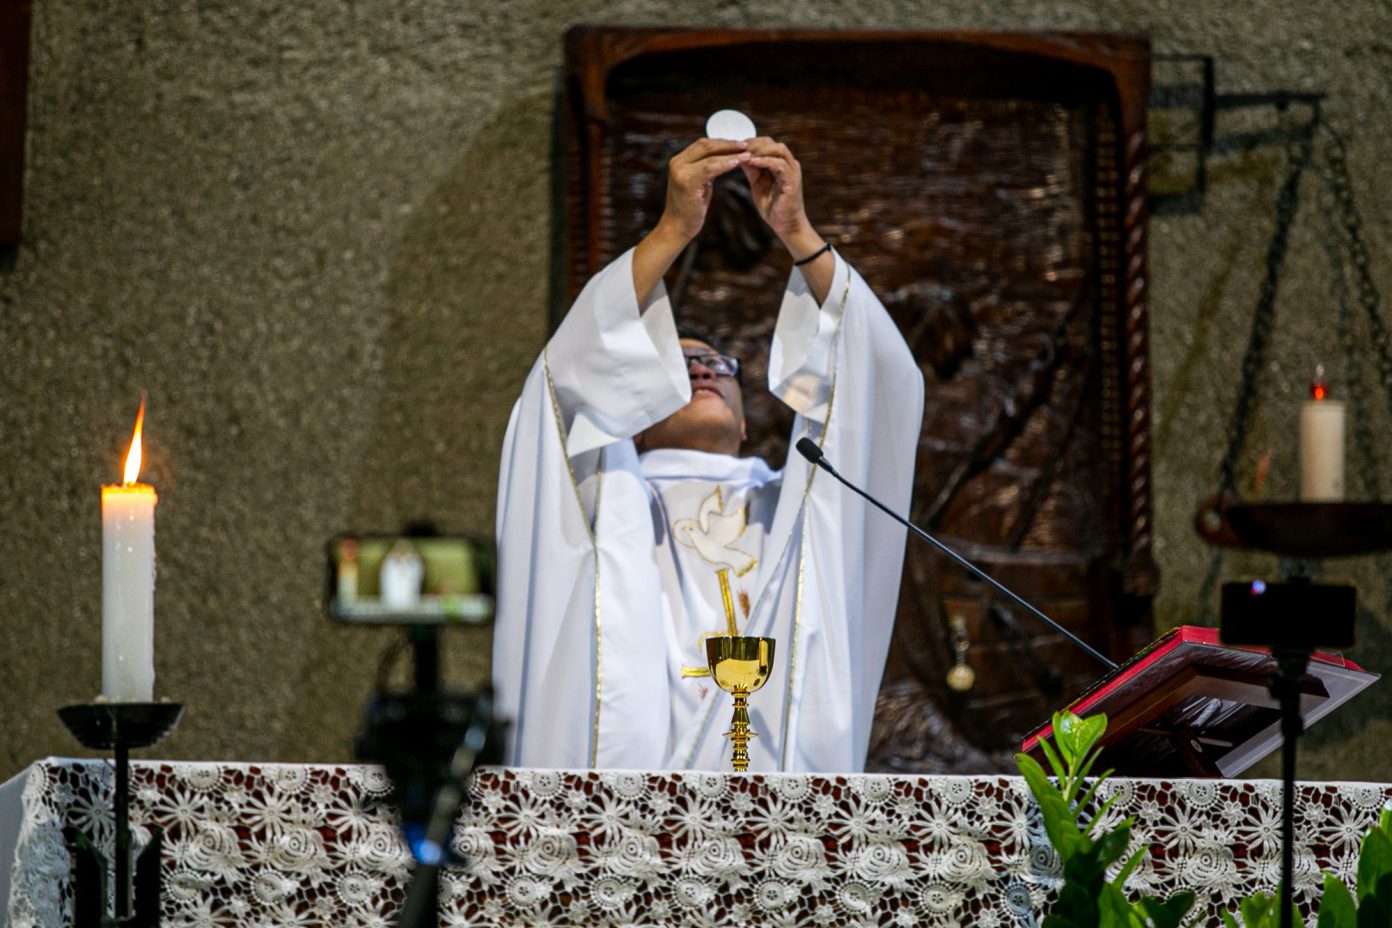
(990, 189)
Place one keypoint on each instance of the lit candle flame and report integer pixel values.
(133, 456)
(1318, 388)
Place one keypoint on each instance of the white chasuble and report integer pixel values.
(610, 563)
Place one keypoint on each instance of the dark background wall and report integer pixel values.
(320, 236)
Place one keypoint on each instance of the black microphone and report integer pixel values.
(808, 449)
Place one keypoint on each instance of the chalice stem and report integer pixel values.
(740, 733)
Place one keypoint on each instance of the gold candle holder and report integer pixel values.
(740, 664)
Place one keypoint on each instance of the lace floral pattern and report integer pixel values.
(291, 845)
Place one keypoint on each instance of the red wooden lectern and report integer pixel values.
(1189, 705)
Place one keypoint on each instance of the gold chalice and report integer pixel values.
(740, 665)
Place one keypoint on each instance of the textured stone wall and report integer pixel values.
(320, 236)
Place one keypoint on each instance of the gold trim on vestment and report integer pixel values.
(598, 629)
(806, 533)
(792, 650)
(594, 544)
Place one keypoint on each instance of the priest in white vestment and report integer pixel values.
(628, 525)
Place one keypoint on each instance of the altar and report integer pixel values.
(298, 845)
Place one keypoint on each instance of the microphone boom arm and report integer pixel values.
(808, 449)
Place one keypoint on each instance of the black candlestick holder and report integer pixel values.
(118, 727)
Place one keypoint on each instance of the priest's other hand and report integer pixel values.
(775, 180)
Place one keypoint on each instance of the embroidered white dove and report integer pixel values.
(713, 531)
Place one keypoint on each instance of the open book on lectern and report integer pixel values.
(1189, 705)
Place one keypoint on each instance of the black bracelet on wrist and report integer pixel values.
(813, 256)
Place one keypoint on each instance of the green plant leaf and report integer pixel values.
(1077, 904)
(1113, 910)
(1087, 799)
(1035, 777)
(1087, 899)
(1262, 911)
(1130, 866)
(1059, 824)
(1065, 739)
(1374, 912)
(1374, 861)
(1376, 907)
(1085, 767)
(1229, 921)
(1081, 734)
(1055, 762)
(1259, 910)
(1167, 914)
(1112, 845)
(1337, 908)
(1064, 736)
(1102, 813)
(1086, 869)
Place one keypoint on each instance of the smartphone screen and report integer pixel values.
(410, 580)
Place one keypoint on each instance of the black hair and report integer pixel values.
(695, 334)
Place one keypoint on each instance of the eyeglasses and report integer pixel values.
(721, 365)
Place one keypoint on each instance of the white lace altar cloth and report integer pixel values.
(292, 845)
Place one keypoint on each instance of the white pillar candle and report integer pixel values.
(1321, 446)
(128, 583)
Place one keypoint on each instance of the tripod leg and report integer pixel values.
(122, 847)
(421, 908)
(89, 882)
(1285, 686)
(149, 883)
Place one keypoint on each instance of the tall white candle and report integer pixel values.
(128, 582)
(1321, 445)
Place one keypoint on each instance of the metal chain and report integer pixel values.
(1254, 359)
(1264, 319)
(1344, 218)
(1341, 185)
(1355, 376)
(1336, 156)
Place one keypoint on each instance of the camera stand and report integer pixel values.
(429, 740)
(118, 726)
(1293, 618)
(1285, 687)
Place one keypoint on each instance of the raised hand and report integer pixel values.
(691, 178)
(775, 181)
